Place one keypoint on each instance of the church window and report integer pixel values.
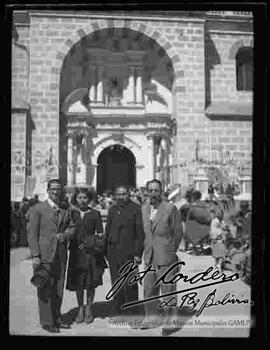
(244, 69)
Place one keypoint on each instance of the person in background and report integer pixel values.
(145, 198)
(16, 219)
(139, 196)
(50, 229)
(134, 197)
(243, 223)
(124, 242)
(198, 220)
(24, 205)
(211, 191)
(94, 199)
(217, 236)
(86, 265)
(31, 203)
(165, 196)
(184, 210)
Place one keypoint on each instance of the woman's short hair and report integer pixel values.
(79, 190)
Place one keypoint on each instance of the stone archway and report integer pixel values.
(115, 164)
(165, 46)
(163, 51)
(238, 44)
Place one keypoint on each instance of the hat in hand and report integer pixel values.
(41, 277)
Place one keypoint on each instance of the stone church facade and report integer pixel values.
(100, 98)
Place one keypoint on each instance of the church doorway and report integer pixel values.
(116, 164)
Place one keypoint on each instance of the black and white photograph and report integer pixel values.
(131, 173)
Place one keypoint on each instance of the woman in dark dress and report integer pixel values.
(86, 260)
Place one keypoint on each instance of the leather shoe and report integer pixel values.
(63, 325)
(51, 329)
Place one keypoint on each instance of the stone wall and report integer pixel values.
(18, 125)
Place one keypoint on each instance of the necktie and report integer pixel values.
(56, 216)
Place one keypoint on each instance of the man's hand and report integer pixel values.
(137, 260)
(36, 262)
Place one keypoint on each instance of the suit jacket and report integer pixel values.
(163, 238)
(124, 231)
(43, 228)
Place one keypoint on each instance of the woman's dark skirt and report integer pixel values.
(84, 270)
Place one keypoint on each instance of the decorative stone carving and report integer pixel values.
(118, 137)
(80, 134)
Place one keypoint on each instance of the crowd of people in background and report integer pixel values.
(218, 195)
(212, 225)
(19, 220)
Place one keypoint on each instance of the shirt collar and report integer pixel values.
(52, 204)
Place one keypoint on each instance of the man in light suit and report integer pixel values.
(163, 233)
(50, 228)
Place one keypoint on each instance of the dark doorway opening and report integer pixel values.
(116, 164)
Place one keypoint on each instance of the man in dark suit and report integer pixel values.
(163, 233)
(50, 229)
(124, 242)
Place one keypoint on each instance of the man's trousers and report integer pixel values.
(50, 297)
(127, 293)
(151, 308)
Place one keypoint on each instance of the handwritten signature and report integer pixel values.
(129, 274)
(192, 301)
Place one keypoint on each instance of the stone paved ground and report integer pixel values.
(24, 310)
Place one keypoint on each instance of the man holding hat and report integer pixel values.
(50, 228)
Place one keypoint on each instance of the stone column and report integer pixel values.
(92, 92)
(139, 85)
(151, 156)
(130, 92)
(126, 92)
(94, 181)
(100, 85)
(81, 175)
(70, 161)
